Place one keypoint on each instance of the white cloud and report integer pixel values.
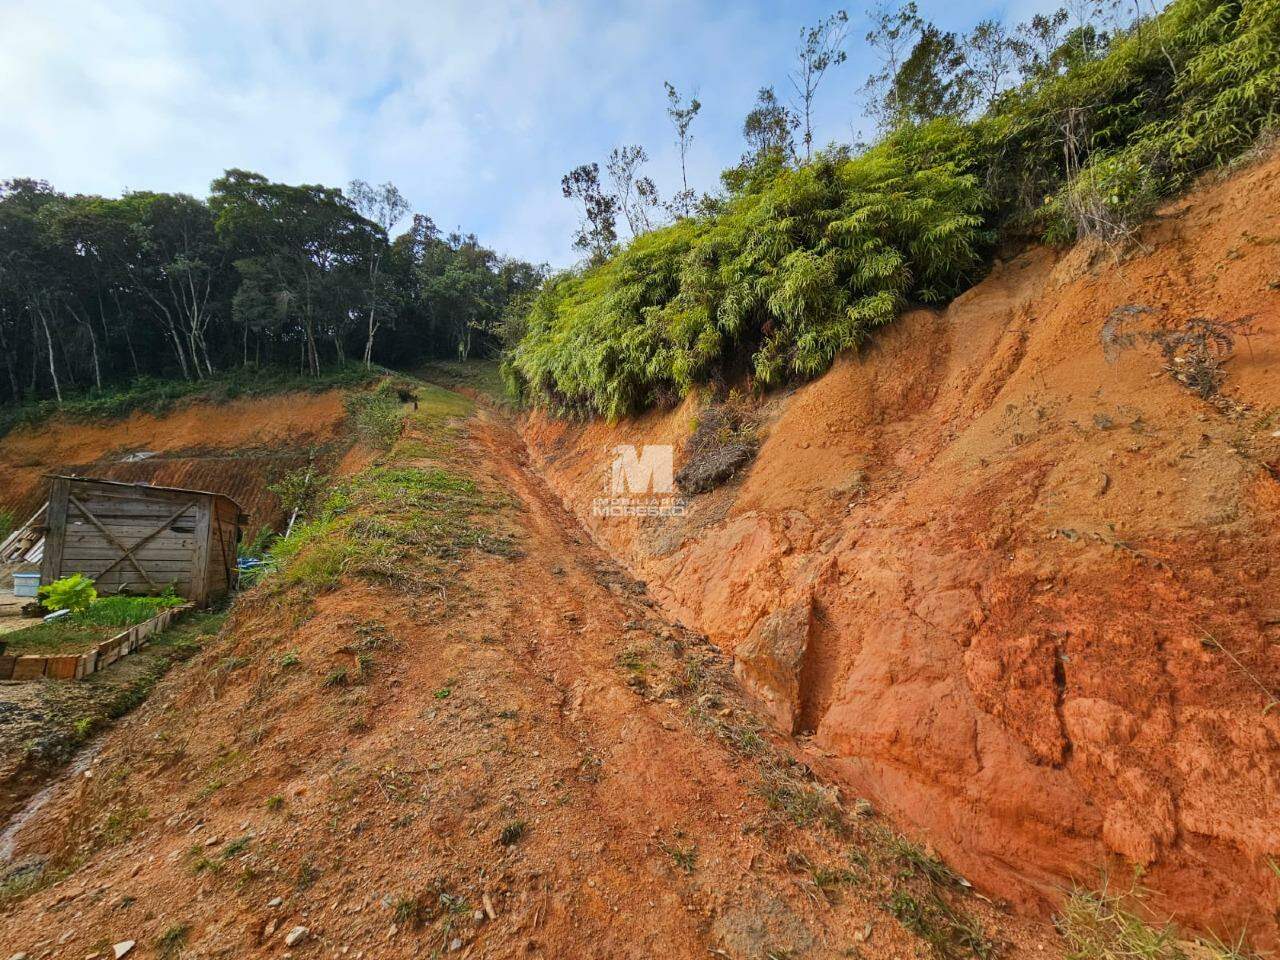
(475, 108)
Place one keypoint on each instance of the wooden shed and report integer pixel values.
(140, 538)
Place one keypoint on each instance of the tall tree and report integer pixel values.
(893, 33)
(821, 48)
(682, 115)
(308, 237)
(993, 57)
(769, 128)
(637, 195)
(384, 206)
(598, 229)
(1039, 41)
(934, 79)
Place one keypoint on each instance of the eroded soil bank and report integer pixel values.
(238, 448)
(489, 744)
(1016, 580)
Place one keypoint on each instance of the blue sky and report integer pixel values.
(474, 109)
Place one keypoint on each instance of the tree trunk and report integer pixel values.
(177, 348)
(97, 367)
(53, 370)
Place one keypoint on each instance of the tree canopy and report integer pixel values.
(96, 291)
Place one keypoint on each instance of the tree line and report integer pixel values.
(96, 291)
(917, 73)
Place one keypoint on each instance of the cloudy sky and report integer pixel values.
(474, 108)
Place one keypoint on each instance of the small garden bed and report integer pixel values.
(80, 632)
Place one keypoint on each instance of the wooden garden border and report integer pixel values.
(77, 666)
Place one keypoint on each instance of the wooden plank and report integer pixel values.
(141, 496)
(117, 516)
(115, 580)
(23, 538)
(103, 552)
(135, 493)
(182, 529)
(51, 562)
(104, 565)
(168, 540)
(200, 562)
(106, 552)
(126, 552)
(222, 555)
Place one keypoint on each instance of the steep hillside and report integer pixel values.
(450, 726)
(236, 448)
(1011, 579)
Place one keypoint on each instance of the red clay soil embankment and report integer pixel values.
(236, 448)
(1019, 583)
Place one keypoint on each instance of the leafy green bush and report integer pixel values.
(7, 523)
(799, 264)
(75, 593)
(375, 415)
(786, 277)
(1176, 95)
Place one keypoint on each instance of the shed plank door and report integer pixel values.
(117, 542)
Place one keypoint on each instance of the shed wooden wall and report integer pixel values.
(181, 553)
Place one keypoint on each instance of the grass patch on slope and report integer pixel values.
(1105, 925)
(406, 517)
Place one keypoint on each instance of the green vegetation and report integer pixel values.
(950, 932)
(170, 943)
(158, 397)
(101, 620)
(787, 277)
(75, 593)
(513, 833)
(799, 261)
(1106, 925)
(375, 414)
(97, 292)
(401, 519)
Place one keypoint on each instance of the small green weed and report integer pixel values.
(951, 933)
(686, 858)
(170, 943)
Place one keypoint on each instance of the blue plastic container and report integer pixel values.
(26, 584)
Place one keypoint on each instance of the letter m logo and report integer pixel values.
(649, 472)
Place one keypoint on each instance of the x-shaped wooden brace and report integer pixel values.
(127, 552)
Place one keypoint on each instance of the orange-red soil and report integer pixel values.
(237, 448)
(1027, 582)
(498, 698)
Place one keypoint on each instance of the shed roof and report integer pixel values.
(145, 486)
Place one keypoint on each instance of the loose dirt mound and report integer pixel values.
(1027, 578)
(236, 448)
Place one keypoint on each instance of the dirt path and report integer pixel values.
(526, 760)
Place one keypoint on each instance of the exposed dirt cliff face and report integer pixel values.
(1019, 583)
(236, 448)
